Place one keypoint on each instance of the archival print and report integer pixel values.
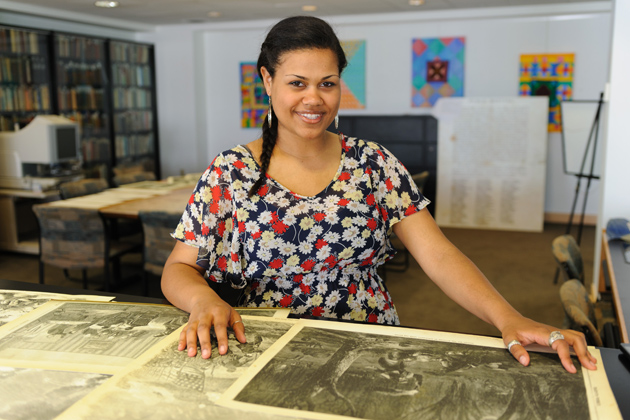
(27, 394)
(267, 312)
(86, 336)
(165, 383)
(15, 303)
(326, 370)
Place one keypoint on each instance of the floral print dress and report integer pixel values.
(316, 255)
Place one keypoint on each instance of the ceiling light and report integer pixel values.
(214, 14)
(416, 2)
(106, 4)
(309, 8)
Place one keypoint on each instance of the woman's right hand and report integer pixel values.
(210, 312)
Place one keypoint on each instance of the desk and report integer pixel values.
(173, 202)
(617, 369)
(616, 272)
(18, 229)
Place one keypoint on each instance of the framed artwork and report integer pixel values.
(254, 99)
(437, 69)
(353, 77)
(548, 75)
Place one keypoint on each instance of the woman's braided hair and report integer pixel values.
(290, 34)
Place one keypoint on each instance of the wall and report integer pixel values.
(208, 114)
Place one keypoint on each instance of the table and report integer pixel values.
(616, 366)
(614, 271)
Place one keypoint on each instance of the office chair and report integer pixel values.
(569, 257)
(130, 178)
(158, 243)
(82, 187)
(73, 238)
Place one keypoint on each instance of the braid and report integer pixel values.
(269, 136)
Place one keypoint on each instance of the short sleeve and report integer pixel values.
(395, 191)
(208, 224)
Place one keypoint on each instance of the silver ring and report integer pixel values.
(513, 343)
(554, 336)
(236, 322)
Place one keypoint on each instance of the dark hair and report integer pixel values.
(291, 34)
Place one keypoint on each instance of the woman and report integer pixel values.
(300, 218)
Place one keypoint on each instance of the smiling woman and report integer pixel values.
(301, 217)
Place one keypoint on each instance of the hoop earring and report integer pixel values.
(337, 122)
(269, 113)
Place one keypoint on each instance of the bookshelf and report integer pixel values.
(25, 83)
(82, 96)
(133, 104)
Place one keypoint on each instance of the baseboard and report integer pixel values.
(589, 219)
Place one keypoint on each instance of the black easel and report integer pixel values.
(592, 140)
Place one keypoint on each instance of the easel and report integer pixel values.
(592, 140)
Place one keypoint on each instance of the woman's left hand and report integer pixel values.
(525, 331)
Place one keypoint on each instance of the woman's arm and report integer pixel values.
(184, 286)
(462, 281)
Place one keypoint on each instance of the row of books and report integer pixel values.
(95, 149)
(133, 121)
(24, 98)
(21, 42)
(131, 75)
(9, 122)
(80, 98)
(132, 98)
(129, 53)
(80, 73)
(91, 123)
(23, 70)
(80, 48)
(134, 145)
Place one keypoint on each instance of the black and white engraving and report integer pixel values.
(27, 394)
(373, 376)
(172, 385)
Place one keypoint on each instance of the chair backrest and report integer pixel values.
(133, 177)
(158, 243)
(420, 179)
(82, 187)
(71, 238)
(569, 257)
(580, 310)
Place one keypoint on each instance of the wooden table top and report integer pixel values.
(172, 202)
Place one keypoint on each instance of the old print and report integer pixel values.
(328, 373)
(27, 394)
(165, 383)
(15, 303)
(86, 336)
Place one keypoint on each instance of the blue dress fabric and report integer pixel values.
(315, 255)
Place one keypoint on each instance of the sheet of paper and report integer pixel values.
(491, 168)
(322, 370)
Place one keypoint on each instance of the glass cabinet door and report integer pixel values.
(133, 100)
(82, 96)
(24, 77)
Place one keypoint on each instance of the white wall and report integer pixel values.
(495, 38)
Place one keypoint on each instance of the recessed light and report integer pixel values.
(106, 4)
(416, 2)
(214, 14)
(309, 8)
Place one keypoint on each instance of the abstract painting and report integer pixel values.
(437, 69)
(353, 76)
(548, 75)
(254, 99)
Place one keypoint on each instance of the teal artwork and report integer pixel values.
(353, 77)
(437, 69)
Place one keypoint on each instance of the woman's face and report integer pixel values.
(305, 92)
